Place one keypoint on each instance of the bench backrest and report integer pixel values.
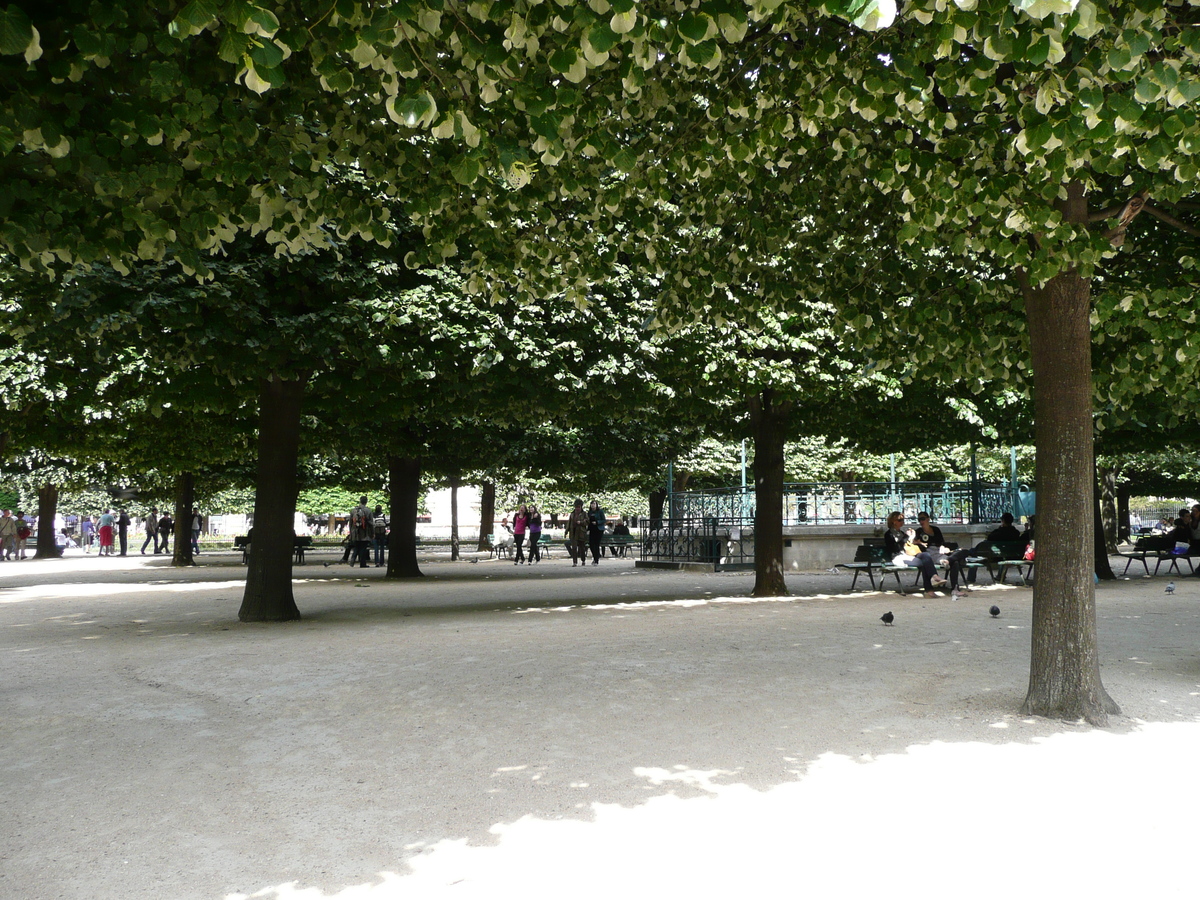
(1002, 549)
(869, 553)
(1155, 542)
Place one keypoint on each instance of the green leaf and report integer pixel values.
(266, 55)
(562, 59)
(199, 13)
(1139, 42)
(1039, 51)
(602, 38)
(16, 31)
(694, 26)
(1119, 58)
(265, 19)
(465, 169)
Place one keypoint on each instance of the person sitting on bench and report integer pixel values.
(898, 547)
(1006, 532)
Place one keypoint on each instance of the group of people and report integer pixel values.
(366, 529)
(159, 531)
(14, 534)
(527, 521)
(1186, 528)
(924, 548)
(585, 530)
(110, 531)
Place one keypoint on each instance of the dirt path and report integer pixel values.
(549, 732)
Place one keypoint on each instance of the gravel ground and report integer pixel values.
(541, 730)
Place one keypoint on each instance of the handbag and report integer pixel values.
(911, 549)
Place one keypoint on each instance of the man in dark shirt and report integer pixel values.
(1007, 531)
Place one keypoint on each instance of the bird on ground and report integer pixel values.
(995, 611)
(887, 618)
(1170, 588)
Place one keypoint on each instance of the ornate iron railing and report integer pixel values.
(727, 543)
(854, 502)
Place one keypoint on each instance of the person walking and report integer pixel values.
(87, 533)
(362, 532)
(151, 530)
(123, 530)
(24, 530)
(107, 521)
(381, 535)
(520, 524)
(596, 523)
(197, 525)
(166, 527)
(577, 534)
(8, 534)
(535, 534)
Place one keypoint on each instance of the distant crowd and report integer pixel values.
(584, 532)
(107, 532)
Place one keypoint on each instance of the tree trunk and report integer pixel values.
(47, 539)
(487, 514)
(454, 519)
(658, 498)
(268, 596)
(1103, 568)
(1124, 528)
(768, 418)
(1064, 670)
(1106, 478)
(404, 483)
(185, 499)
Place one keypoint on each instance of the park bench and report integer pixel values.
(620, 542)
(300, 544)
(868, 558)
(1162, 549)
(1151, 546)
(1000, 556)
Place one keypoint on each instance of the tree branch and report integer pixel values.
(1135, 205)
(1165, 216)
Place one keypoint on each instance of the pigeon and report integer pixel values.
(887, 618)
(1170, 587)
(995, 611)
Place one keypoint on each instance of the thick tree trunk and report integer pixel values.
(1064, 671)
(487, 514)
(768, 418)
(454, 519)
(185, 499)
(1124, 529)
(268, 596)
(1107, 480)
(404, 482)
(47, 539)
(657, 500)
(1102, 566)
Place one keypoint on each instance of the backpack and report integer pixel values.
(380, 526)
(358, 521)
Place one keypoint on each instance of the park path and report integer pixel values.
(492, 729)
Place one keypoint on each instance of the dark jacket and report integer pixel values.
(1005, 533)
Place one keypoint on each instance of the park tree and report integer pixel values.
(1034, 136)
(1022, 141)
(1026, 138)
